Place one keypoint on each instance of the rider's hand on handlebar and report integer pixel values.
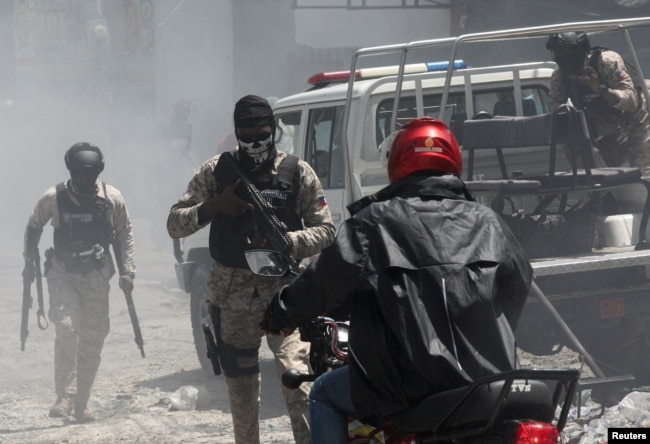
(276, 320)
(285, 331)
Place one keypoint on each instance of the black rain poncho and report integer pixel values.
(435, 282)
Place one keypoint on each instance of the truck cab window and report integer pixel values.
(287, 132)
(324, 151)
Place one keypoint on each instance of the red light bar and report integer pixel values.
(334, 76)
(370, 73)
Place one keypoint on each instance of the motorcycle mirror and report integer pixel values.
(267, 262)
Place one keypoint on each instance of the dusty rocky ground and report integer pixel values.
(132, 396)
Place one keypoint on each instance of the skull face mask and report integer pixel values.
(259, 151)
(255, 130)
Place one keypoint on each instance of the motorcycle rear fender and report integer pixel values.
(476, 405)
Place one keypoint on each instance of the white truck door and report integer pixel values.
(314, 134)
(323, 151)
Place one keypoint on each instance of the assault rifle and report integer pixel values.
(264, 218)
(129, 297)
(32, 273)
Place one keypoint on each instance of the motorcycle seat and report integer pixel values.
(526, 399)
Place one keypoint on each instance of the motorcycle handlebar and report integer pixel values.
(292, 378)
(323, 333)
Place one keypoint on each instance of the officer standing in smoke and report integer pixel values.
(239, 297)
(86, 214)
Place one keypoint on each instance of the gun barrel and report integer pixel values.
(134, 322)
(27, 305)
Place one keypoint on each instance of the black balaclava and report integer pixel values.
(253, 111)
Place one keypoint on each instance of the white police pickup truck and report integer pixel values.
(592, 290)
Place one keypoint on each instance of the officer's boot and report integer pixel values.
(62, 408)
(81, 412)
(84, 384)
(65, 373)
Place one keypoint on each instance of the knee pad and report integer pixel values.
(234, 360)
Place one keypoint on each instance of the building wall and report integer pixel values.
(194, 44)
(277, 47)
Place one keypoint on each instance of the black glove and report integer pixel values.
(276, 318)
(126, 283)
(228, 202)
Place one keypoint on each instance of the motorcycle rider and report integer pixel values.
(434, 282)
(293, 189)
(85, 213)
(598, 82)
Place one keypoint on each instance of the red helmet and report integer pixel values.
(423, 144)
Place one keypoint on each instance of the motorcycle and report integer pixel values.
(522, 406)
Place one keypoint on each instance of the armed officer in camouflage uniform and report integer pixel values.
(239, 296)
(598, 82)
(85, 214)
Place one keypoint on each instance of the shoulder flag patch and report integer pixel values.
(620, 75)
(322, 201)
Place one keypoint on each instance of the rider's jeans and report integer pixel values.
(329, 405)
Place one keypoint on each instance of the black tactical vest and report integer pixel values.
(583, 97)
(230, 236)
(82, 228)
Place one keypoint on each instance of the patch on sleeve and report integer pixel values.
(322, 201)
(621, 75)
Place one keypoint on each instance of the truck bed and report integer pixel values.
(606, 258)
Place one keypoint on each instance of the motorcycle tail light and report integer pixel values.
(535, 432)
(408, 439)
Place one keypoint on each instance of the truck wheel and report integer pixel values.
(199, 314)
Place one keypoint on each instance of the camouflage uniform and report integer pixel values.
(623, 108)
(79, 302)
(243, 296)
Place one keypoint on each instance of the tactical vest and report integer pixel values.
(583, 97)
(230, 236)
(82, 228)
(593, 103)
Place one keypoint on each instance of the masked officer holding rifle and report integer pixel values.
(87, 215)
(215, 195)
